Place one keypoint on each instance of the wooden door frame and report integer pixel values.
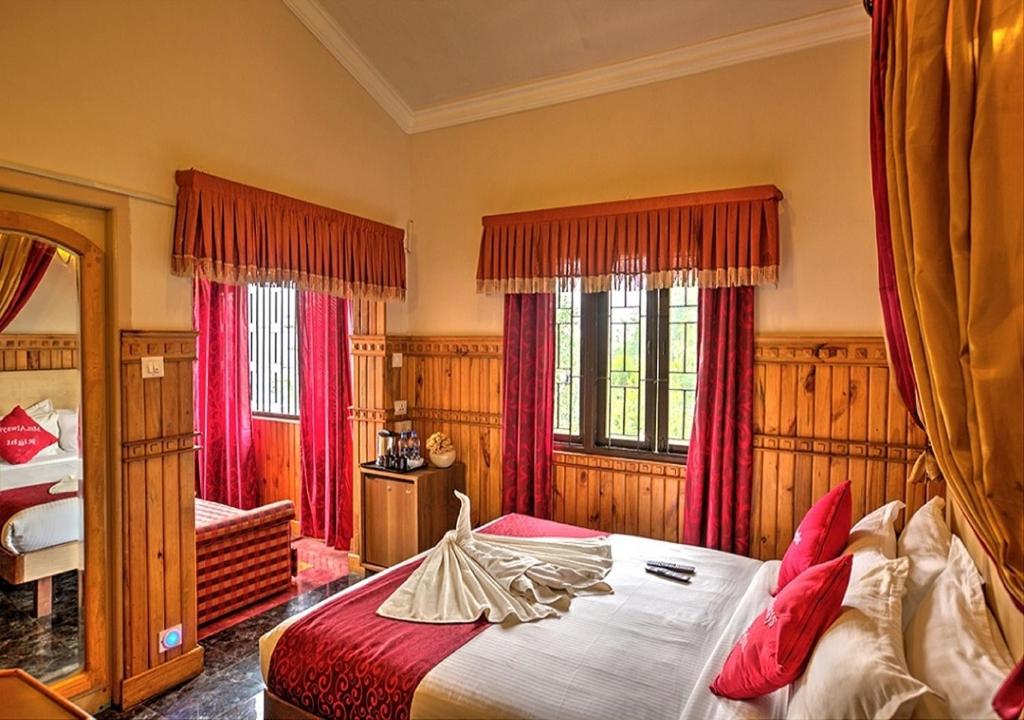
(33, 187)
(95, 671)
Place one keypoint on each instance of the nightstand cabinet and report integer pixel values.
(407, 513)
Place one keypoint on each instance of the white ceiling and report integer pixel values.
(436, 51)
(432, 63)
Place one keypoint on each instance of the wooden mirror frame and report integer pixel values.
(94, 673)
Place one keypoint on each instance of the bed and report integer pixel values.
(40, 532)
(671, 637)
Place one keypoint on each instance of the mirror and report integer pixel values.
(41, 469)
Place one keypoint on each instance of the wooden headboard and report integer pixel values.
(36, 366)
(1009, 617)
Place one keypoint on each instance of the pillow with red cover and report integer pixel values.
(822, 535)
(21, 437)
(775, 649)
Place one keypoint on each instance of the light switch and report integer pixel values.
(152, 367)
(396, 360)
(401, 407)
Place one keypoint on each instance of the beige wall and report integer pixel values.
(125, 93)
(53, 307)
(798, 120)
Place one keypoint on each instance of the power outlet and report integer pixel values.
(152, 367)
(401, 407)
(403, 426)
(396, 360)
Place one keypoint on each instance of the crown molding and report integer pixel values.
(338, 43)
(821, 29)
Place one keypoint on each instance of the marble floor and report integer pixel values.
(230, 686)
(49, 647)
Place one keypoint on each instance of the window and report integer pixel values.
(626, 369)
(273, 351)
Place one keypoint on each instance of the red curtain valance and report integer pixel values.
(710, 239)
(233, 233)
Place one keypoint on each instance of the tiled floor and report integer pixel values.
(230, 686)
(48, 647)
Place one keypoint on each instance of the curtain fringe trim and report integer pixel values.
(716, 278)
(189, 266)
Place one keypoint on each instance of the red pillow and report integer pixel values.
(21, 437)
(822, 535)
(774, 650)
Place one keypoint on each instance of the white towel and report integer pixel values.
(469, 574)
(67, 484)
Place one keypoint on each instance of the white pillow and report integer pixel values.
(43, 413)
(951, 646)
(925, 542)
(67, 420)
(858, 669)
(873, 539)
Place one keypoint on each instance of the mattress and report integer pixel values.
(40, 470)
(647, 651)
(43, 526)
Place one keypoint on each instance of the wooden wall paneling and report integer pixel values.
(158, 444)
(453, 385)
(38, 351)
(371, 398)
(824, 411)
(276, 442)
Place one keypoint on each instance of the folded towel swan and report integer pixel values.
(468, 575)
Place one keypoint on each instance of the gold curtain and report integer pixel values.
(14, 252)
(955, 168)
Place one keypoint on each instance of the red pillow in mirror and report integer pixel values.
(21, 437)
(774, 650)
(822, 535)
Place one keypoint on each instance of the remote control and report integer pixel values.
(670, 574)
(675, 567)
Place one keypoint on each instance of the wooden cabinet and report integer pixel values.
(407, 513)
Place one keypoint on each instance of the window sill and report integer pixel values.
(622, 454)
(276, 418)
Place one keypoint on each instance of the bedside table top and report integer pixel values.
(25, 698)
(422, 473)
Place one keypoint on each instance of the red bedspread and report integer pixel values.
(344, 661)
(15, 500)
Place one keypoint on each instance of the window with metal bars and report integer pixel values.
(626, 370)
(273, 351)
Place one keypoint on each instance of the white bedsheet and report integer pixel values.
(40, 470)
(43, 526)
(648, 651)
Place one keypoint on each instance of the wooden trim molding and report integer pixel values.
(38, 351)
(440, 346)
(161, 678)
(839, 351)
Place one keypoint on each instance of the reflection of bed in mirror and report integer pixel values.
(40, 508)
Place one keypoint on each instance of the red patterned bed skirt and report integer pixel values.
(345, 661)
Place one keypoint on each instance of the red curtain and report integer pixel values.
(527, 412)
(895, 333)
(325, 400)
(37, 261)
(719, 467)
(226, 463)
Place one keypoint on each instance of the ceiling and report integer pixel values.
(430, 56)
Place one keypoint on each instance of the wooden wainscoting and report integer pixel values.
(278, 462)
(826, 411)
(38, 351)
(622, 496)
(453, 385)
(158, 495)
(371, 401)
